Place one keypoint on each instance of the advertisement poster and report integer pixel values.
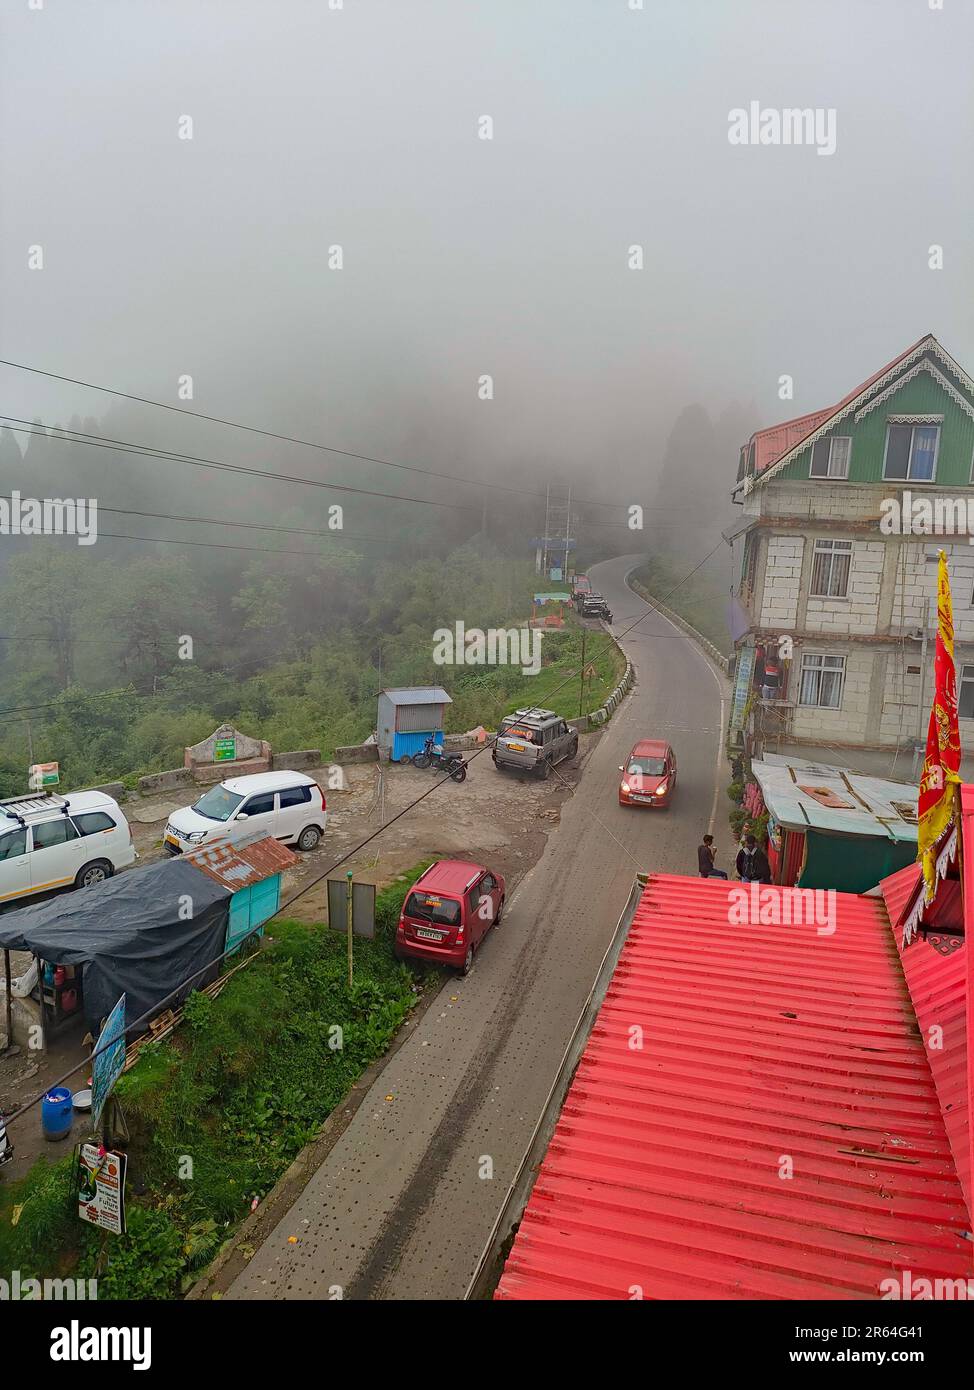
(101, 1187)
(109, 1059)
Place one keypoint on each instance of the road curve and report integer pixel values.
(404, 1203)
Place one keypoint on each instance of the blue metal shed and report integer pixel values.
(407, 716)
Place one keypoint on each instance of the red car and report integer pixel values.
(448, 912)
(648, 775)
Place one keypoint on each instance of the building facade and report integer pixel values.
(843, 513)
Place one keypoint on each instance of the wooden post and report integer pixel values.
(9, 1004)
(348, 921)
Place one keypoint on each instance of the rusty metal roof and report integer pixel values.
(762, 1047)
(245, 862)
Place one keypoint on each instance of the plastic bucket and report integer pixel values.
(57, 1112)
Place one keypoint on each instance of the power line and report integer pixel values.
(156, 1008)
(284, 438)
(121, 446)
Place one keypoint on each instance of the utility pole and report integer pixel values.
(348, 921)
(30, 745)
(581, 677)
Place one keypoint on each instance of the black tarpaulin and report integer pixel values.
(139, 934)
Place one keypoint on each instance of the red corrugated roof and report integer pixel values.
(760, 1044)
(773, 443)
(238, 865)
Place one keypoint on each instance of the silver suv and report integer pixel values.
(533, 740)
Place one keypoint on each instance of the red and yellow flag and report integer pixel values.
(941, 765)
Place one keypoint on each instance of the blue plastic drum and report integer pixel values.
(57, 1112)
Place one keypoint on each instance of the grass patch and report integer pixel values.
(700, 600)
(219, 1111)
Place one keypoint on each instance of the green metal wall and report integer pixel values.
(921, 396)
(852, 863)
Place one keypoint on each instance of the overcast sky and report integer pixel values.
(359, 127)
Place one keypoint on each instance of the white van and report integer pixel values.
(49, 841)
(286, 805)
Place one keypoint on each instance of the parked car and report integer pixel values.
(594, 606)
(648, 774)
(286, 805)
(448, 912)
(533, 740)
(50, 841)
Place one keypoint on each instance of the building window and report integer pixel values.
(749, 567)
(911, 453)
(965, 695)
(830, 569)
(821, 680)
(830, 458)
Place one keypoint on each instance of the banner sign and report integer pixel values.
(109, 1060)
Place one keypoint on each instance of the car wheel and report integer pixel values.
(467, 965)
(500, 912)
(573, 751)
(309, 837)
(95, 872)
(544, 771)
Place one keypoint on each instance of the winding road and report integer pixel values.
(404, 1202)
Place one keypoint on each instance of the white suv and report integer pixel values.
(285, 805)
(49, 841)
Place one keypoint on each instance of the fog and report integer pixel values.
(357, 127)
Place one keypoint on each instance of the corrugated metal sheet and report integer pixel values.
(237, 865)
(869, 808)
(759, 1045)
(418, 718)
(418, 695)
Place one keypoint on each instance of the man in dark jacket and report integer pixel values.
(752, 863)
(705, 859)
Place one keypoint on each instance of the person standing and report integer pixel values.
(705, 859)
(752, 863)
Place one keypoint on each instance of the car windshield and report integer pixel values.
(646, 767)
(444, 912)
(218, 803)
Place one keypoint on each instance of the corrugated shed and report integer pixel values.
(418, 695)
(238, 865)
(859, 805)
(761, 1045)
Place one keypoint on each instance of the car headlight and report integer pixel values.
(625, 786)
(661, 789)
(196, 837)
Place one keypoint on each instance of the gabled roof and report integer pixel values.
(765, 1049)
(777, 445)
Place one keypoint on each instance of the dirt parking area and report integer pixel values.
(497, 818)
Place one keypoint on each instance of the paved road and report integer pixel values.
(400, 1208)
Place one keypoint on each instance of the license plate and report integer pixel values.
(636, 797)
(171, 840)
(516, 747)
(429, 935)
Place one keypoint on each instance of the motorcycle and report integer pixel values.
(6, 1148)
(432, 755)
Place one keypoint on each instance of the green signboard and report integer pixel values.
(225, 750)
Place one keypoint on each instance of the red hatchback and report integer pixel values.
(648, 775)
(448, 912)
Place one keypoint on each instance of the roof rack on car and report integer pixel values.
(16, 807)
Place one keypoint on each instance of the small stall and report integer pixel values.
(142, 933)
(830, 827)
(407, 717)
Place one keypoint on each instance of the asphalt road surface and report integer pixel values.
(404, 1203)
